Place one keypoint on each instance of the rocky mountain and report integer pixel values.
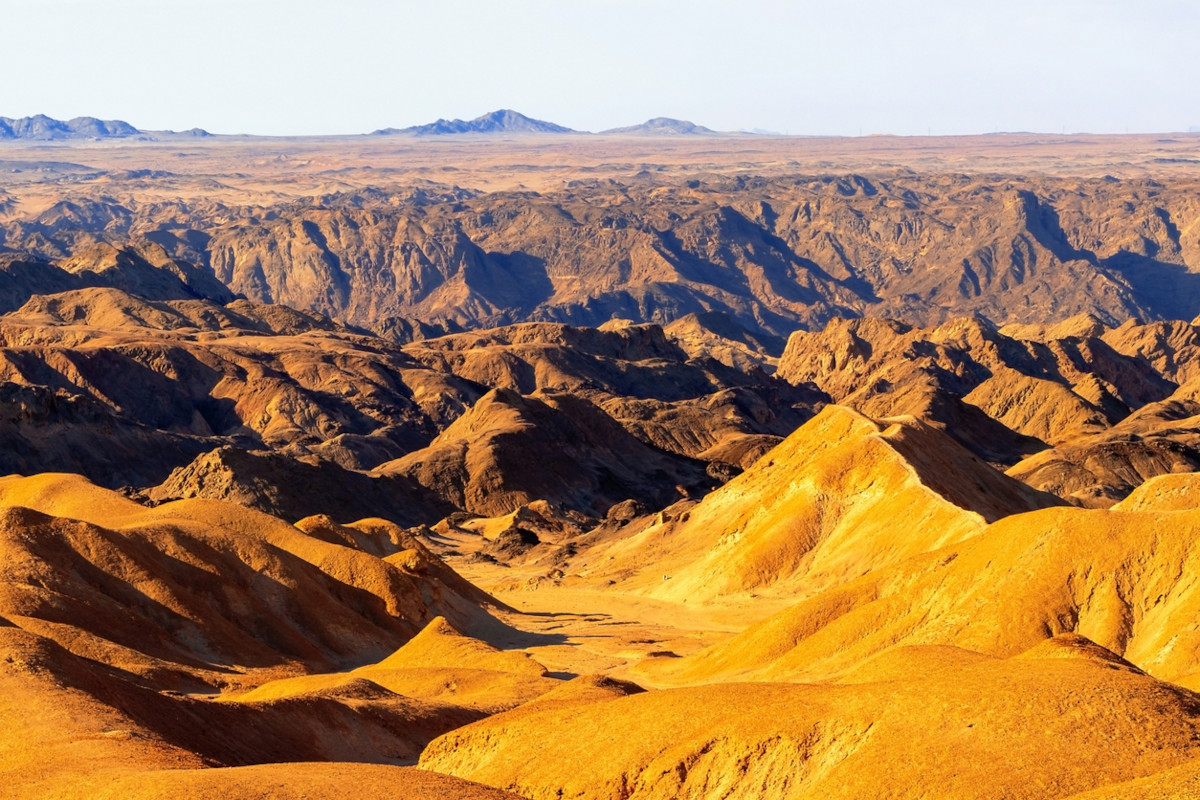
(656, 389)
(1010, 392)
(282, 485)
(1078, 409)
(587, 461)
(46, 129)
(103, 266)
(502, 121)
(257, 404)
(717, 336)
(663, 126)
(177, 378)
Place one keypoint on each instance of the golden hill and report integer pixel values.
(191, 590)
(1118, 577)
(440, 666)
(130, 634)
(78, 729)
(1062, 718)
(842, 496)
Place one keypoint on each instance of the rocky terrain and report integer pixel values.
(776, 251)
(254, 403)
(706, 468)
(773, 254)
(1080, 409)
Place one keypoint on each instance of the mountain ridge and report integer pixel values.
(663, 126)
(40, 127)
(500, 121)
(44, 128)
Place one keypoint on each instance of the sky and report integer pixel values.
(833, 67)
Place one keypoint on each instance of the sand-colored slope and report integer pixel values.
(75, 728)
(1122, 578)
(842, 496)
(119, 624)
(202, 585)
(306, 781)
(54, 733)
(439, 665)
(440, 645)
(1178, 783)
(1179, 492)
(1060, 719)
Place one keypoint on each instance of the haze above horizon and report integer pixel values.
(899, 67)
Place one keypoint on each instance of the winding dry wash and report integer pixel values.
(648, 465)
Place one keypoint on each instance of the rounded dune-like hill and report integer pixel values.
(953, 732)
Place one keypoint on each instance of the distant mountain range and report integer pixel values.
(43, 128)
(505, 121)
(40, 128)
(508, 121)
(502, 121)
(664, 126)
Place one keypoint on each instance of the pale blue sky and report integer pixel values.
(806, 67)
